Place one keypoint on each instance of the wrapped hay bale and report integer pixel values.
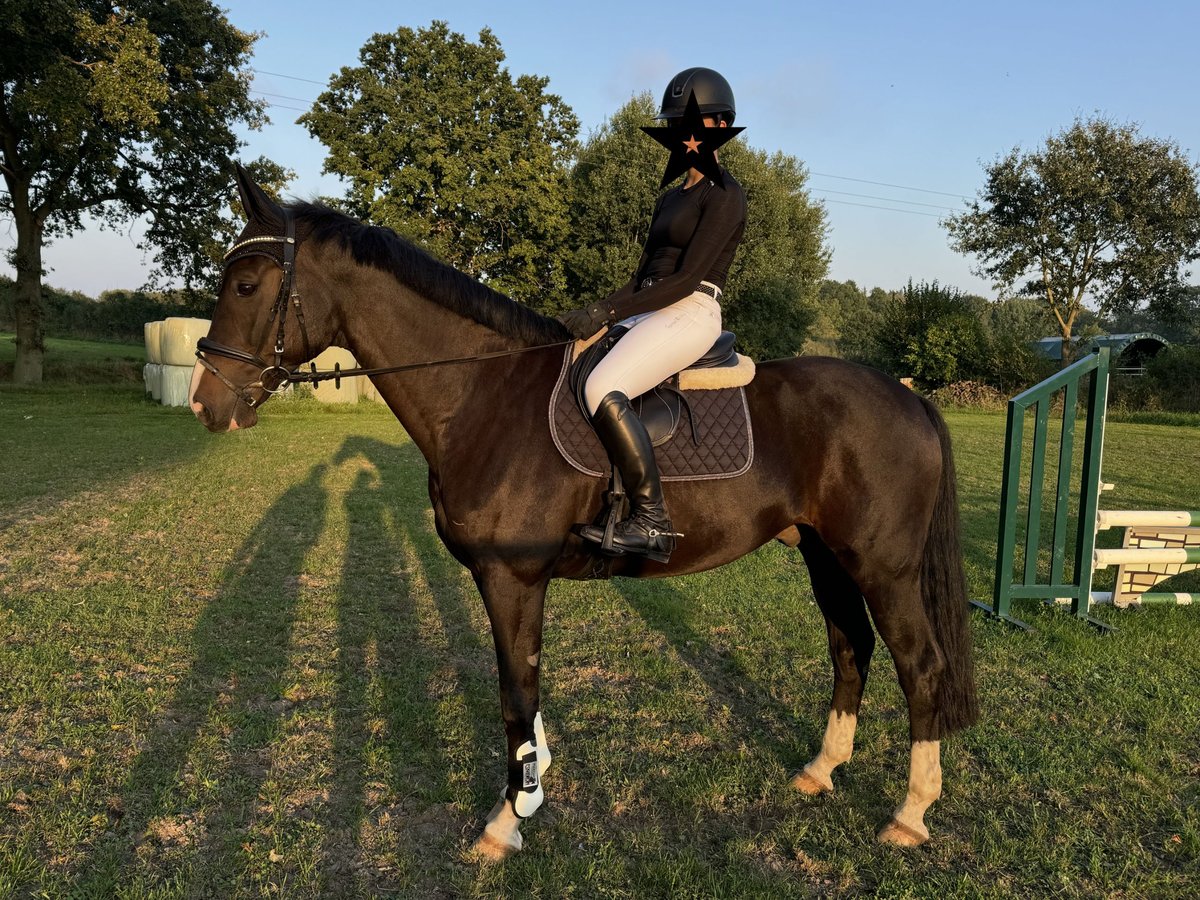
(325, 390)
(367, 389)
(175, 383)
(146, 377)
(154, 380)
(153, 334)
(178, 342)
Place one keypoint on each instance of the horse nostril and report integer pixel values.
(202, 413)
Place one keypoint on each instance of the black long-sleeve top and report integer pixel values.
(693, 237)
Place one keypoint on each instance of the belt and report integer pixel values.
(703, 287)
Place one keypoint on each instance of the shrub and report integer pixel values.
(969, 395)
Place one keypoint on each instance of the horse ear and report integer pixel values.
(259, 207)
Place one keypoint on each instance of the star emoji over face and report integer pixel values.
(692, 144)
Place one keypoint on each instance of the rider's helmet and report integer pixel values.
(713, 94)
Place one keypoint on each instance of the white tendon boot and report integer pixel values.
(502, 835)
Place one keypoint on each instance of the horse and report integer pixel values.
(850, 467)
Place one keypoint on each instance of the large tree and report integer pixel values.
(774, 278)
(440, 143)
(1100, 212)
(117, 111)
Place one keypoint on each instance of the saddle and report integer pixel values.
(698, 420)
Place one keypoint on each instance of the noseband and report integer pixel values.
(274, 377)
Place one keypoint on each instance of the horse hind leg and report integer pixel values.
(900, 616)
(851, 643)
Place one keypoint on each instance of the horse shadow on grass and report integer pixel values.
(397, 733)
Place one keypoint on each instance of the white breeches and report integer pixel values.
(659, 344)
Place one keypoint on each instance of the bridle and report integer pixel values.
(274, 377)
(275, 373)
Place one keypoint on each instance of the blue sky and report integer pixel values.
(866, 95)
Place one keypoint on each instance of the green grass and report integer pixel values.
(245, 666)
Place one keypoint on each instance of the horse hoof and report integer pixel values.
(900, 835)
(806, 784)
(489, 849)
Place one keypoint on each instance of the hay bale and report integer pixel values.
(175, 383)
(178, 342)
(348, 392)
(152, 331)
(146, 377)
(154, 380)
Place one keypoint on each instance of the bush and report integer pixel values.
(969, 395)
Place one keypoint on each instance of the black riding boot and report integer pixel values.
(647, 531)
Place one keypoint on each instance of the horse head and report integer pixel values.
(260, 329)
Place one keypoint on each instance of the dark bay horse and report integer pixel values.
(850, 466)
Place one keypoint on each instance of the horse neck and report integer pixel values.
(387, 324)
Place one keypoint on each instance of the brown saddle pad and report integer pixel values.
(726, 445)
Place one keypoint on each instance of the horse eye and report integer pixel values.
(245, 288)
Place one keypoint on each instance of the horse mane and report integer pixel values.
(382, 248)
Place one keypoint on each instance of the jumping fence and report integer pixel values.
(1156, 546)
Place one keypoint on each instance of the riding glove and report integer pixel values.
(583, 323)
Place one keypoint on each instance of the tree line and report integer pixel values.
(128, 111)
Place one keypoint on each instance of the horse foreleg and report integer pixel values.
(515, 610)
(851, 643)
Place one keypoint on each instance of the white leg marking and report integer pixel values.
(836, 748)
(924, 787)
(543, 749)
(502, 835)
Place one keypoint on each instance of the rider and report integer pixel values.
(671, 309)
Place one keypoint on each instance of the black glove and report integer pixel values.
(583, 323)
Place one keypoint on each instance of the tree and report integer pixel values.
(441, 144)
(1100, 211)
(118, 111)
(932, 333)
(773, 281)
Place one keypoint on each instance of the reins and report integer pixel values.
(280, 375)
(301, 377)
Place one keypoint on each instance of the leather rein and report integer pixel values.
(275, 376)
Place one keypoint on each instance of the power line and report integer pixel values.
(285, 106)
(292, 77)
(911, 212)
(903, 187)
(281, 96)
(888, 199)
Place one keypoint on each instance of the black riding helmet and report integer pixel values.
(713, 94)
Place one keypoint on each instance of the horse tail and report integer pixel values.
(944, 593)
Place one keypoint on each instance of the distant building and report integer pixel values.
(1129, 351)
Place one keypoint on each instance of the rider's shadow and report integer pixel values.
(414, 675)
(186, 792)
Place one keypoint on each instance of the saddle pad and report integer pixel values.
(726, 446)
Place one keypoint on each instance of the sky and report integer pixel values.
(894, 108)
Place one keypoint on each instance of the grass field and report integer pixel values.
(244, 666)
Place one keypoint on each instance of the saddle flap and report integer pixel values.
(725, 448)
